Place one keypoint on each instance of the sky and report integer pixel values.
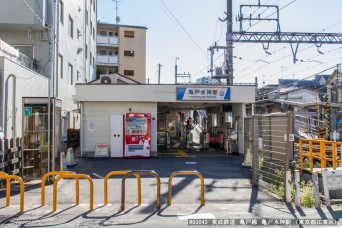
(187, 28)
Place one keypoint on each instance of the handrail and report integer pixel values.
(139, 172)
(321, 155)
(8, 189)
(186, 172)
(122, 172)
(54, 173)
(74, 176)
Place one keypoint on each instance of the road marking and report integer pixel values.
(197, 216)
(182, 154)
(176, 145)
(191, 163)
(97, 175)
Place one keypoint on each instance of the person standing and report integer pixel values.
(195, 115)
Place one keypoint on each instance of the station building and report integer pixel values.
(221, 110)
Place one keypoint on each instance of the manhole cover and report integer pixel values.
(96, 223)
(31, 221)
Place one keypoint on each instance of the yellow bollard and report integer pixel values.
(44, 180)
(76, 177)
(139, 172)
(186, 172)
(122, 172)
(8, 189)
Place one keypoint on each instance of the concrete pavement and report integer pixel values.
(228, 195)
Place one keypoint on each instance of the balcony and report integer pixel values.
(106, 60)
(107, 41)
(18, 15)
(13, 54)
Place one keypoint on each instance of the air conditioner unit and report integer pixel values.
(108, 79)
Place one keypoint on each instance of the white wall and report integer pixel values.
(100, 112)
(28, 84)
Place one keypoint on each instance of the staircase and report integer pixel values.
(196, 133)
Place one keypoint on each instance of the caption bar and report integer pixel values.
(265, 222)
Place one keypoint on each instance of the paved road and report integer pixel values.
(228, 195)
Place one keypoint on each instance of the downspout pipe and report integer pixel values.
(13, 106)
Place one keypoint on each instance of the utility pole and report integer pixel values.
(229, 58)
(177, 58)
(159, 67)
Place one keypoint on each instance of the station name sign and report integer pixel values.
(202, 94)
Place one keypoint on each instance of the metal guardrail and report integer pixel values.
(139, 172)
(320, 154)
(76, 177)
(194, 172)
(49, 174)
(8, 189)
(123, 172)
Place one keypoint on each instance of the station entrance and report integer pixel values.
(198, 129)
(184, 118)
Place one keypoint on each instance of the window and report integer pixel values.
(71, 27)
(93, 62)
(78, 75)
(86, 17)
(129, 34)
(91, 26)
(61, 11)
(110, 53)
(102, 52)
(86, 51)
(129, 53)
(78, 34)
(91, 58)
(26, 50)
(60, 66)
(70, 74)
(93, 33)
(103, 33)
(94, 4)
(129, 72)
(110, 34)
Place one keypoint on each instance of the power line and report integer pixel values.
(247, 74)
(290, 84)
(41, 20)
(180, 24)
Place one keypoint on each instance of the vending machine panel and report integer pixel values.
(137, 135)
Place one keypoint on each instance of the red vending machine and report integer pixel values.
(137, 139)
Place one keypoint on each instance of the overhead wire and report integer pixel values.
(182, 27)
(282, 49)
(291, 84)
(34, 13)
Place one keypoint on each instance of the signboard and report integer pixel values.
(28, 111)
(198, 93)
(91, 126)
(101, 150)
(291, 137)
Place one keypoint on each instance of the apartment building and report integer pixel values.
(27, 25)
(121, 49)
